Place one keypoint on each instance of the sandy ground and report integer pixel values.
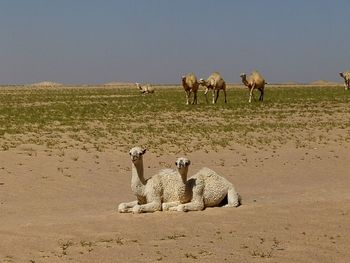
(60, 206)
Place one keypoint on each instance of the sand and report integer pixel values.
(61, 206)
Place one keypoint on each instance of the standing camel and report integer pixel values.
(216, 83)
(190, 84)
(346, 76)
(254, 81)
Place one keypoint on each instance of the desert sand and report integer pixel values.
(60, 206)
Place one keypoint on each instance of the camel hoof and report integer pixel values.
(122, 208)
(165, 207)
(136, 209)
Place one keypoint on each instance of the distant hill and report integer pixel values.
(117, 83)
(323, 83)
(46, 84)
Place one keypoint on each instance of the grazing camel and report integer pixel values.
(145, 89)
(161, 188)
(216, 83)
(254, 81)
(190, 85)
(346, 76)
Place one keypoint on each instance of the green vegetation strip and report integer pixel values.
(119, 118)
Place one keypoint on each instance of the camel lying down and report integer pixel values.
(170, 189)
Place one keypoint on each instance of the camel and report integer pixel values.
(190, 84)
(346, 76)
(216, 83)
(254, 81)
(145, 89)
(152, 192)
(184, 192)
(204, 189)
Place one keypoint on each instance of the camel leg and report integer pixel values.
(126, 207)
(187, 97)
(217, 96)
(156, 205)
(213, 95)
(192, 206)
(206, 96)
(194, 97)
(251, 93)
(261, 98)
(233, 198)
(197, 202)
(225, 95)
(166, 206)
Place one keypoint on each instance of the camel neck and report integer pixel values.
(183, 173)
(137, 173)
(245, 82)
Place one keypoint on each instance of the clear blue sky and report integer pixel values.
(98, 41)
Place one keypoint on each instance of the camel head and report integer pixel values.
(243, 76)
(203, 82)
(182, 162)
(138, 85)
(341, 74)
(182, 165)
(244, 79)
(136, 153)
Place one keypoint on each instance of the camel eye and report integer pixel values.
(129, 153)
(175, 163)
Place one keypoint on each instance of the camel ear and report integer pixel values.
(143, 151)
(188, 162)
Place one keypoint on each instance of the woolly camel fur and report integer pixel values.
(346, 76)
(205, 189)
(215, 83)
(145, 89)
(190, 85)
(184, 191)
(152, 192)
(254, 81)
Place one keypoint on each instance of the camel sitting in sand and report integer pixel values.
(204, 189)
(161, 188)
(145, 89)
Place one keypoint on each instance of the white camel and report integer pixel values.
(346, 76)
(215, 83)
(145, 89)
(190, 85)
(254, 81)
(183, 190)
(161, 188)
(204, 189)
